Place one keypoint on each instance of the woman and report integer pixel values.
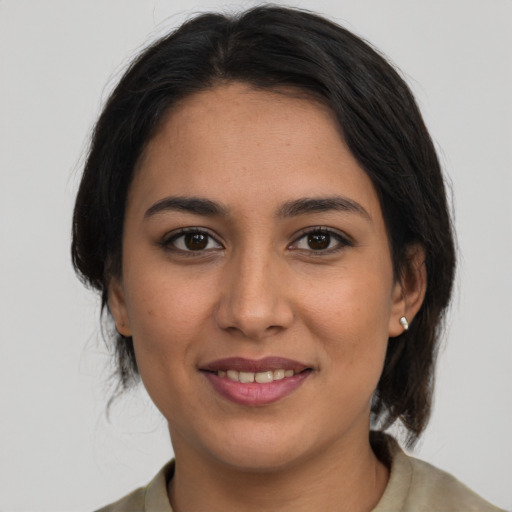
(263, 213)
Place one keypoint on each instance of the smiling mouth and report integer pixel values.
(267, 369)
(263, 377)
(256, 382)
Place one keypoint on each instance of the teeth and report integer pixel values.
(246, 377)
(232, 374)
(260, 377)
(263, 377)
(278, 374)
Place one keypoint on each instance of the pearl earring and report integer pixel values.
(404, 323)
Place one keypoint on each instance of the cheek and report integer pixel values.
(349, 313)
(167, 322)
(168, 305)
(169, 317)
(349, 303)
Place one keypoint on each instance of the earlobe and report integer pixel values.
(409, 291)
(117, 307)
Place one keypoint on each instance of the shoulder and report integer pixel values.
(415, 485)
(133, 502)
(152, 498)
(442, 491)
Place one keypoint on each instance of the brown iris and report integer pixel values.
(319, 241)
(196, 241)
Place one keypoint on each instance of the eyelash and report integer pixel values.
(342, 241)
(169, 241)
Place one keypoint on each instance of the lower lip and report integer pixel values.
(254, 394)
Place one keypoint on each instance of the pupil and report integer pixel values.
(196, 241)
(319, 241)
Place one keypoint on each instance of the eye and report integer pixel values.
(191, 240)
(320, 240)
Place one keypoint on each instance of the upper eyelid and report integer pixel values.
(324, 229)
(176, 233)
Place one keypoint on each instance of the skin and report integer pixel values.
(258, 289)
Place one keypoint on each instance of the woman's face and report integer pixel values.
(255, 249)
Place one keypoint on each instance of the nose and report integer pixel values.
(254, 299)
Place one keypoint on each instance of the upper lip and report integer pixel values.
(255, 365)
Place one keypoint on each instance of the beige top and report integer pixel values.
(414, 486)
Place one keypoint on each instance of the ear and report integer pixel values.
(117, 306)
(409, 290)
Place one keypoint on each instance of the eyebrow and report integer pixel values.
(306, 205)
(195, 205)
(301, 206)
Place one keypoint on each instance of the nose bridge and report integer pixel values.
(253, 299)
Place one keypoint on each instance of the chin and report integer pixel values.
(264, 460)
(261, 450)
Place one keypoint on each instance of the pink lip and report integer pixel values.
(254, 394)
(254, 365)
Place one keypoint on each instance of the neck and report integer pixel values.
(344, 477)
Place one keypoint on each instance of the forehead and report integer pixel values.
(237, 143)
(238, 116)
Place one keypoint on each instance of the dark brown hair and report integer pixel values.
(275, 47)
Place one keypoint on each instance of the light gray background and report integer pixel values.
(59, 60)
